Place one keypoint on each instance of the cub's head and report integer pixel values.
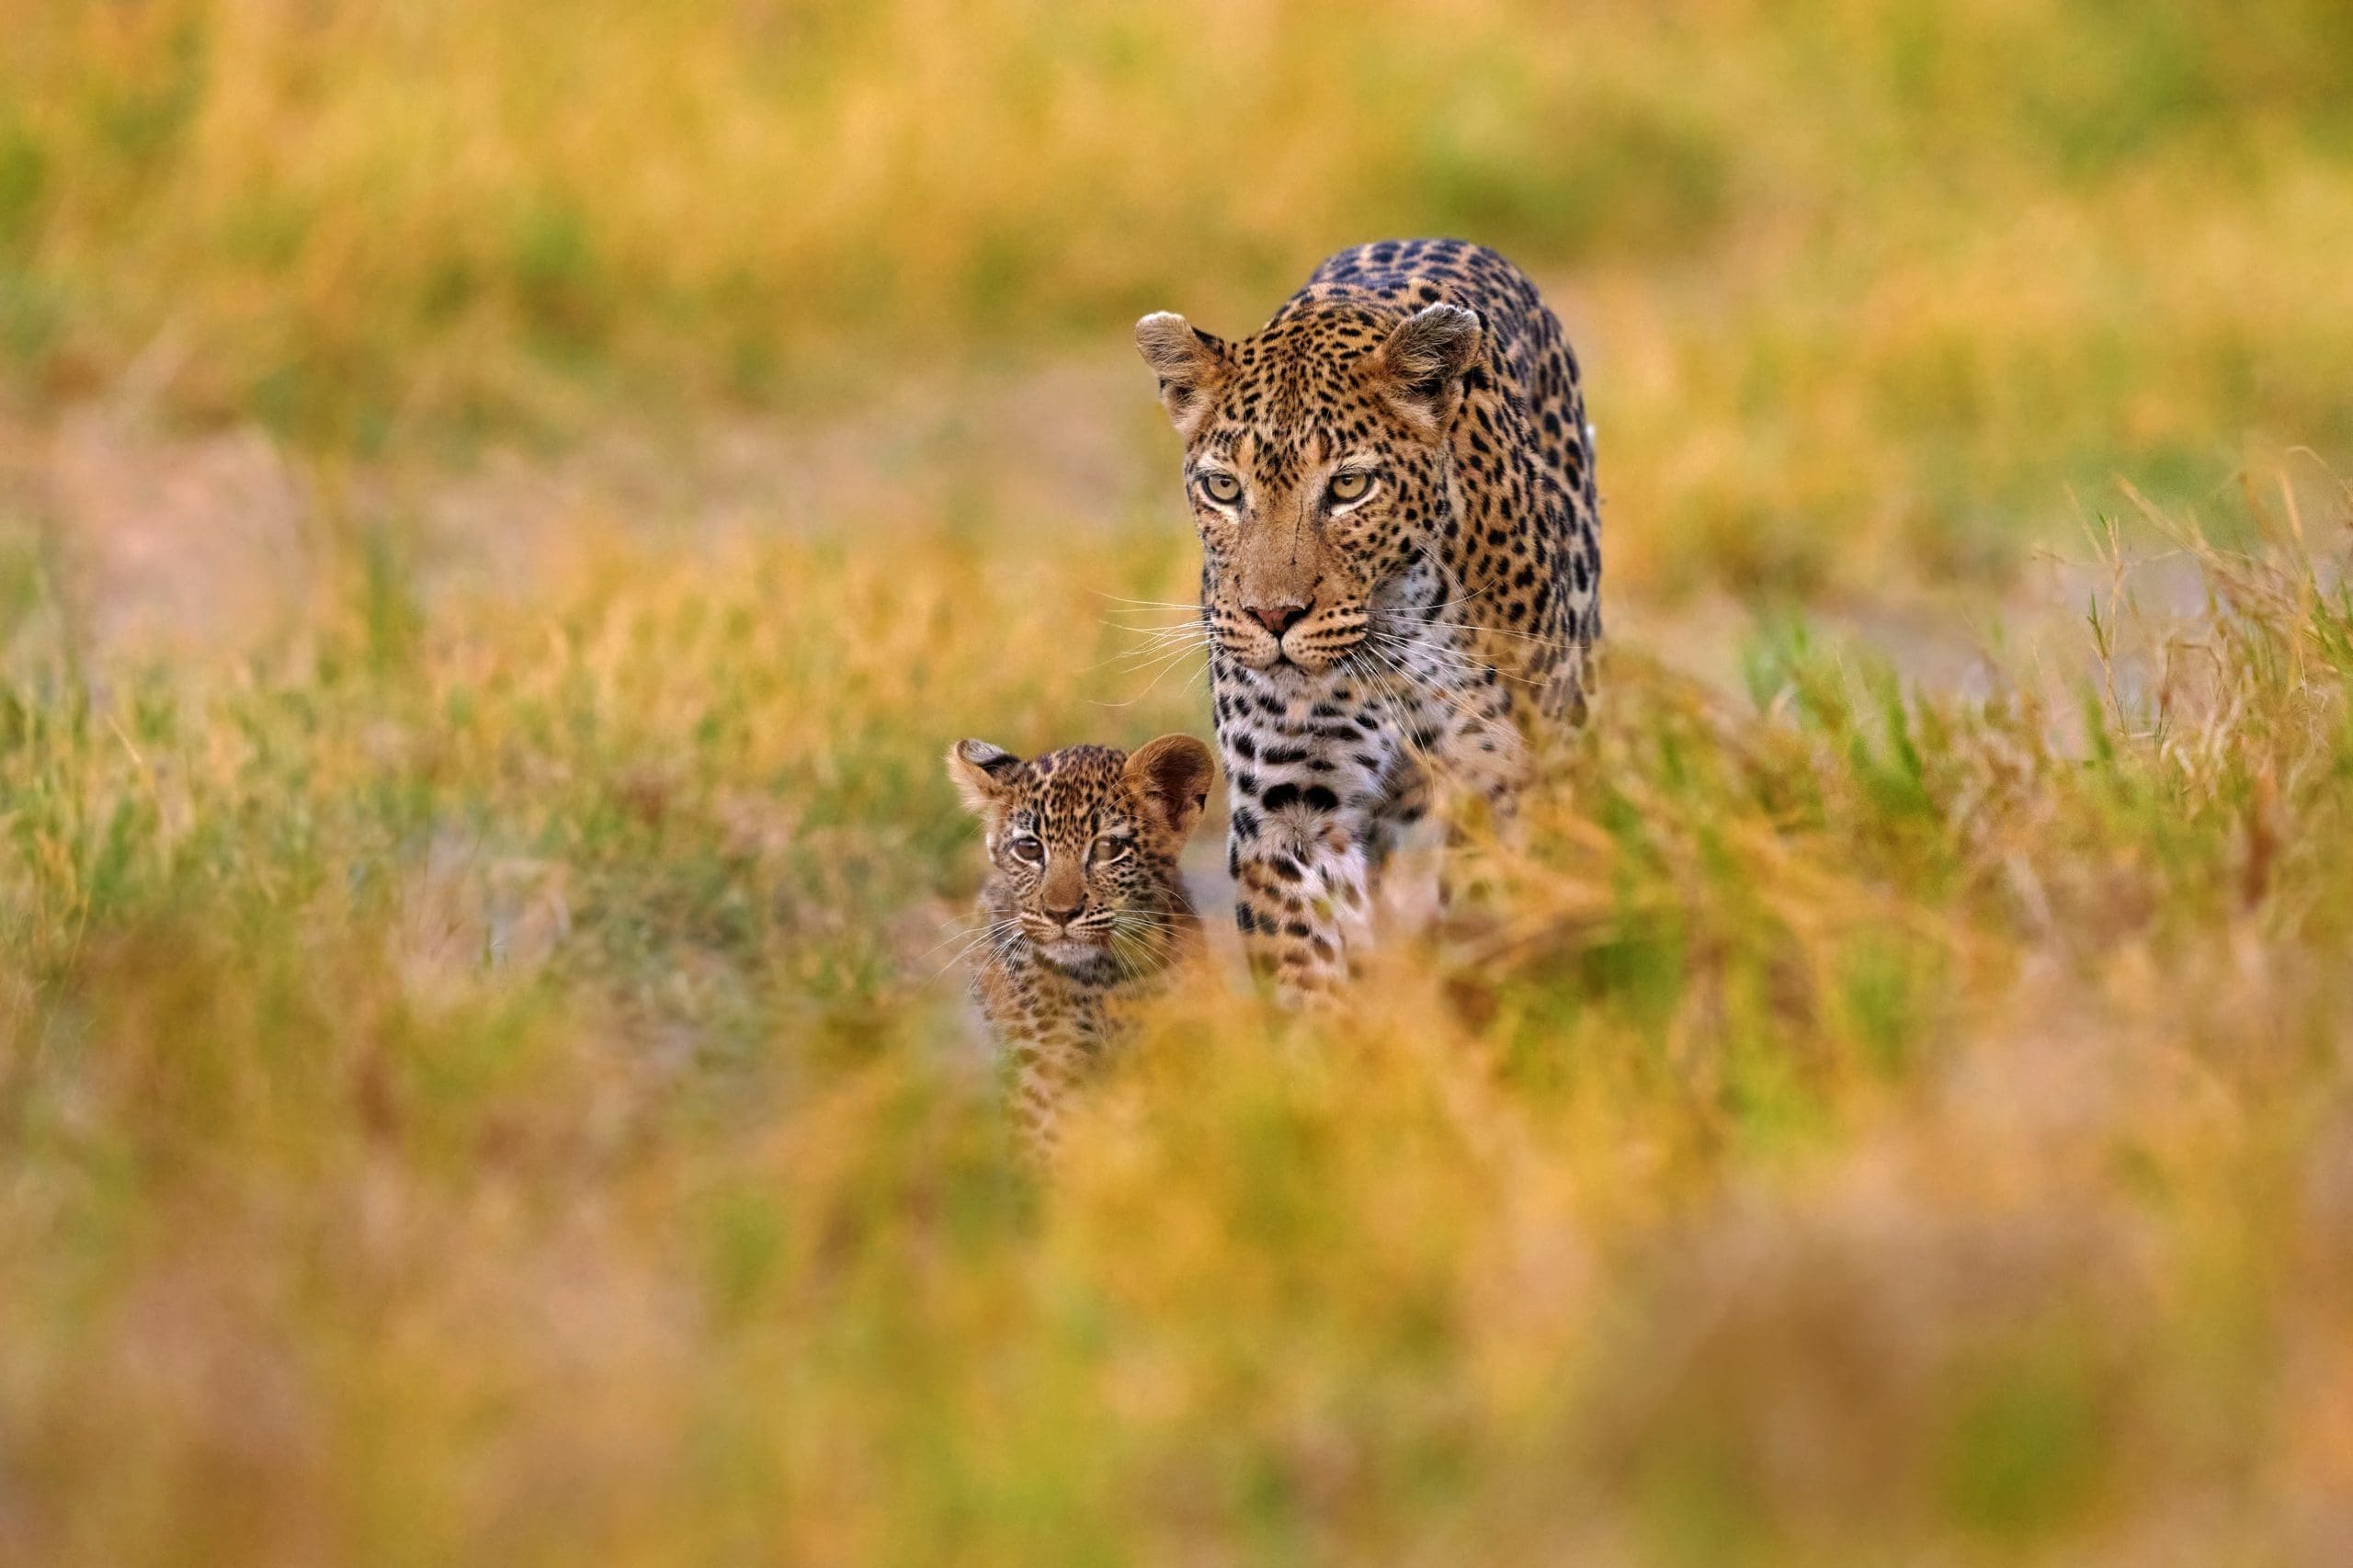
(1083, 846)
(1316, 462)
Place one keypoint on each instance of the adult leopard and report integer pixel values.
(1400, 568)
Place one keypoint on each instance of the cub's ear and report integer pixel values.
(980, 772)
(1173, 774)
(1421, 366)
(1191, 366)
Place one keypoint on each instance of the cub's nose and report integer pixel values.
(1064, 917)
(1279, 617)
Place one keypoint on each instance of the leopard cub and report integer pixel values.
(1084, 912)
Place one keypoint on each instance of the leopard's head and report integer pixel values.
(1316, 462)
(1083, 847)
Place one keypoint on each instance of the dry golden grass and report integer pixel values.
(483, 1085)
(503, 504)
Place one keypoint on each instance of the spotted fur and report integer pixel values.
(1085, 913)
(1400, 572)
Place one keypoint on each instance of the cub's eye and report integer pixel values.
(1027, 850)
(1351, 486)
(1222, 488)
(1111, 851)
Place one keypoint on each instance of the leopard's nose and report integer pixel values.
(1064, 917)
(1278, 619)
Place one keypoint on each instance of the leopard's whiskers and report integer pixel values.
(999, 934)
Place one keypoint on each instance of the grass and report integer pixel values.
(483, 1087)
(477, 1076)
(1871, 290)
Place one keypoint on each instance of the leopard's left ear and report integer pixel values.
(1422, 365)
(1173, 774)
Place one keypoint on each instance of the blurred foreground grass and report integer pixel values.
(480, 1085)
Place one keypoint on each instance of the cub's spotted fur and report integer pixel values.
(1085, 912)
(1401, 567)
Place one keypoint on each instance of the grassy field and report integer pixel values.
(503, 505)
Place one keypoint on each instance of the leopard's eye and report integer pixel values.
(1027, 850)
(1220, 487)
(1353, 486)
(1111, 851)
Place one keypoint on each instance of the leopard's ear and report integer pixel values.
(1422, 365)
(1173, 774)
(1191, 366)
(980, 772)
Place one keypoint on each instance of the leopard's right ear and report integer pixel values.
(980, 772)
(1174, 774)
(1191, 366)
